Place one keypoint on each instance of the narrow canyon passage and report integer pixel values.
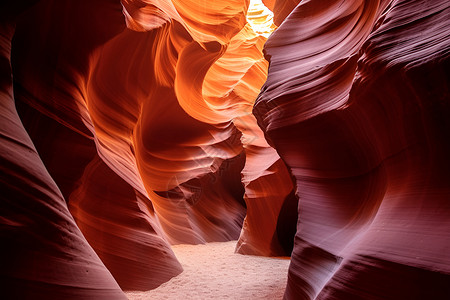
(215, 271)
(225, 149)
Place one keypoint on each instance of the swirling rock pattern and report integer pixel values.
(127, 126)
(142, 127)
(357, 105)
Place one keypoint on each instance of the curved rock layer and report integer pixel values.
(357, 105)
(131, 141)
(42, 248)
(55, 113)
(140, 112)
(105, 200)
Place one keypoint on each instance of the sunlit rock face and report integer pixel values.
(357, 105)
(135, 116)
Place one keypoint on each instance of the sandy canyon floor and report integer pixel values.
(214, 271)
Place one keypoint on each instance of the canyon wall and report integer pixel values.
(130, 126)
(357, 105)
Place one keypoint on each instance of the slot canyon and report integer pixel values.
(225, 149)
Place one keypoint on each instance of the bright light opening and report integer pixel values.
(260, 18)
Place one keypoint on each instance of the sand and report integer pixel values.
(214, 271)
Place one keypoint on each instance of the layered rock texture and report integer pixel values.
(357, 105)
(130, 126)
(127, 127)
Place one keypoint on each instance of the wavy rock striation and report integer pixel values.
(138, 119)
(127, 127)
(356, 103)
